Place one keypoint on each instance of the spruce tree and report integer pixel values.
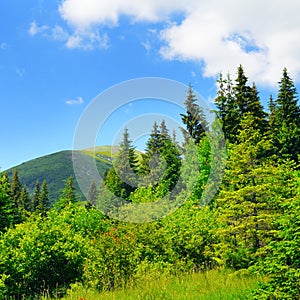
(15, 191)
(286, 125)
(16, 188)
(43, 203)
(248, 202)
(255, 107)
(25, 203)
(194, 119)
(161, 164)
(122, 178)
(92, 194)
(233, 101)
(226, 108)
(36, 197)
(7, 209)
(68, 195)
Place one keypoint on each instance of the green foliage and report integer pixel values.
(210, 285)
(282, 261)
(93, 194)
(40, 256)
(55, 168)
(16, 188)
(112, 260)
(43, 204)
(7, 208)
(194, 119)
(68, 195)
(252, 224)
(250, 199)
(36, 197)
(234, 101)
(285, 119)
(122, 179)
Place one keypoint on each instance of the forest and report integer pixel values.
(248, 227)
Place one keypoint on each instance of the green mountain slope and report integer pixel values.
(57, 167)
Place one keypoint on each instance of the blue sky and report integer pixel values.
(57, 56)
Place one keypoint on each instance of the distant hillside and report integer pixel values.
(57, 167)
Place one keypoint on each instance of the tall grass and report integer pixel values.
(215, 284)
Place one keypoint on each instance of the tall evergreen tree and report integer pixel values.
(226, 108)
(15, 191)
(248, 202)
(16, 188)
(92, 194)
(255, 107)
(43, 203)
(271, 114)
(234, 101)
(122, 178)
(161, 164)
(36, 197)
(286, 124)
(194, 119)
(25, 203)
(68, 195)
(7, 209)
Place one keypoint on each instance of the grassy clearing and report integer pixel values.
(208, 285)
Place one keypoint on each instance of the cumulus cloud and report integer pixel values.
(263, 36)
(78, 100)
(90, 12)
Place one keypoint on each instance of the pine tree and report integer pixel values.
(36, 197)
(25, 203)
(154, 142)
(92, 194)
(15, 191)
(226, 108)
(194, 119)
(271, 114)
(16, 188)
(160, 166)
(242, 91)
(248, 202)
(68, 195)
(7, 209)
(247, 101)
(164, 132)
(43, 203)
(255, 107)
(122, 178)
(286, 125)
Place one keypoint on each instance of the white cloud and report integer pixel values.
(59, 34)
(20, 72)
(87, 40)
(78, 100)
(147, 46)
(263, 36)
(3, 46)
(83, 14)
(35, 29)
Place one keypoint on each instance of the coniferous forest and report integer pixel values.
(250, 230)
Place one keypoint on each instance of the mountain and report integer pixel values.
(57, 167)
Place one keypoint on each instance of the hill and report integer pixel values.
(57, 167)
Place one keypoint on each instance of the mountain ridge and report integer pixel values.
(57, 167)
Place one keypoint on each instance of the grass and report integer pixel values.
(210, 285)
